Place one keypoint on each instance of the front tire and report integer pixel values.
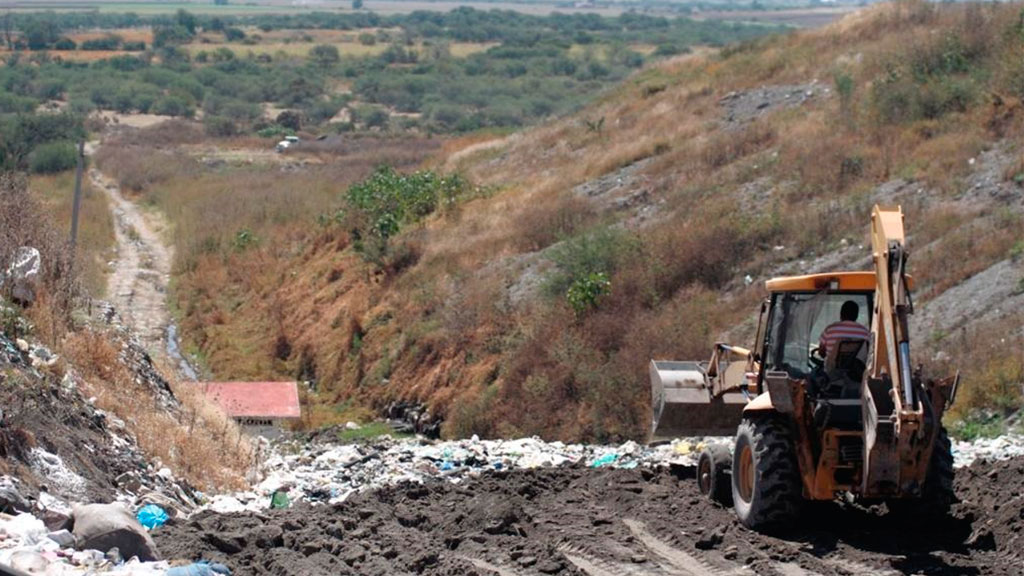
(713, 477)
(766, 485)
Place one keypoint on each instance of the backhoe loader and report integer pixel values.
(856, 419)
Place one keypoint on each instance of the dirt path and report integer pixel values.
(573, 521)
(137, 287)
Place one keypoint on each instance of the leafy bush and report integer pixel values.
(53, 157)
(593, 255)
(584, 292)
(377, 208)
(172, 106)
(11, 103)
(218, 126)
(109, 42)
(64, 43)
(233, 34)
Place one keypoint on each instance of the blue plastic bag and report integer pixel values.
(201, 568)
(606, 460)
(151, 516)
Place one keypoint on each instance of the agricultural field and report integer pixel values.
(726, 9)
(329, 73)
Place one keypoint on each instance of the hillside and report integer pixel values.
(650, 209)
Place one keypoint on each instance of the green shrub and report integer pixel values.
(172, 106)
(109, 42)
(233, 34)
(583, 293)
(377, 208)
(65, 43)
(219, 127)
(11, 103)
(598, 252)
(53, 157)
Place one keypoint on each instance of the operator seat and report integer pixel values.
(839, 404)
(848, 357)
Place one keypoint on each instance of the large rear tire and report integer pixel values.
(937, 493)
(766, 485)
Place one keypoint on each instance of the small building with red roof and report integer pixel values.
(260, 408)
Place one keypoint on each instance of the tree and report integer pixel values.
(217, 25)
(357, 4)
(290, 120)
(186, 20)
(40, 33)
(8, 27)
(234, 34)
(53, 157)
(325, 55)
(65, 43)
(170, 36)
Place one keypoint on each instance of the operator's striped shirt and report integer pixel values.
(844, 330)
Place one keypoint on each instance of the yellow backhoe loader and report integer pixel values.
(853, 419)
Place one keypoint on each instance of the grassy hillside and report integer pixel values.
(579, 250)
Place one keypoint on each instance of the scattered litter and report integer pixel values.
(151, 516)
(201, 568)
(326, 472)
(280, 499)
(52, 467)
(999, 448)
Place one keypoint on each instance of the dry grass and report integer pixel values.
(201, 445)
(721, 198)
(80, 55)
(126, 34)
(291, 45)
(24, 222)
(96, 226)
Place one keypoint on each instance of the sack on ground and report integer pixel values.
(105, 526)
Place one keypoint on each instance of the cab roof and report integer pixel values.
(847, 282)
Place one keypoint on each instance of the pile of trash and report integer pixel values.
(325, 472)
(93, 538)
(1003, 447)
(330, 473)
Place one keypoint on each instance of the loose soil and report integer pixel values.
(603, 522)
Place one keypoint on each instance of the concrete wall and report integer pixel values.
(269, 428)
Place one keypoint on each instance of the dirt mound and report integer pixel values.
(584, 521)
(991, 497)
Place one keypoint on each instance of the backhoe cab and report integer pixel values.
(854, 418)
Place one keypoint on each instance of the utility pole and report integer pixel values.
(78, 193)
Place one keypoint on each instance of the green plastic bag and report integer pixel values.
(279, 500)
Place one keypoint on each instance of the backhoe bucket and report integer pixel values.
(682, 403)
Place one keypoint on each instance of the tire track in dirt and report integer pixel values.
(485, 565)
(137, 287)
(684, 563)
(588, 562)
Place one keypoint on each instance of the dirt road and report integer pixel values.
(601, 523)
(137, 287)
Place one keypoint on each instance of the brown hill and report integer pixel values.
(684, 189)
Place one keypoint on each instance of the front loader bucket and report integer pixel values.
(682, 403)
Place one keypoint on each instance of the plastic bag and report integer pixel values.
(279, 500)
(151, 516)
